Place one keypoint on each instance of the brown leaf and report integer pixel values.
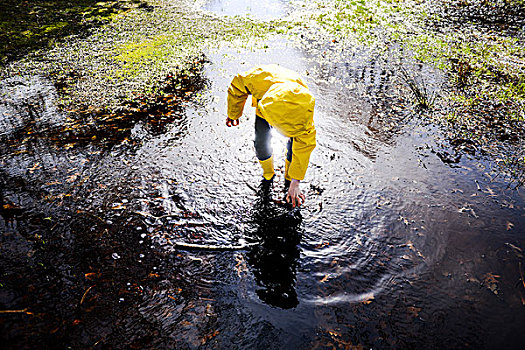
(92, 275)
(54, 183)
(490, 278)
(368, 300)
(36, 166)
(72, 178)
(414, 311)
(322, 245)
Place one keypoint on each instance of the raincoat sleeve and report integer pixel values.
(237, 95)
(302, 148)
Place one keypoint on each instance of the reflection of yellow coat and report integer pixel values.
(283, 100)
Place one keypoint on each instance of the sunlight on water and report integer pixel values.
(264, 9)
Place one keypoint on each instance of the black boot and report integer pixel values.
(265, 187)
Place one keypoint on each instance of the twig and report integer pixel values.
(90, 214)
(191, 246)
(148, 215)
(85, 293)
(101, 339)
(23, 311)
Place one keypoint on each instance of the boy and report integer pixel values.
(282, 101)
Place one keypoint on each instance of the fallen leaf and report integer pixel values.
(321, 245)
(414, 311)
(92, 275)
(490, 281)
(36, 166)
(333, 333)
(368, 300)
(72, 178)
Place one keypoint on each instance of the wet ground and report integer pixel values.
(402, 242)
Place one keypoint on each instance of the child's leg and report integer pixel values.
(263, 146)
(263, 138)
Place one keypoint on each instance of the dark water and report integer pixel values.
(393, 249)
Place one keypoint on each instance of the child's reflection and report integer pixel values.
(274, 261)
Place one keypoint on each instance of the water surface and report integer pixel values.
(393, 249)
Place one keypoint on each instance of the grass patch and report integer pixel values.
(481, 63)
(423, 96)
(133, 52)
(29, 25)
(478, 44)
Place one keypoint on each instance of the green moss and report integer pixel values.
(52, 27)
(138, 55)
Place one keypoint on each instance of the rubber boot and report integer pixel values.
(267, 166)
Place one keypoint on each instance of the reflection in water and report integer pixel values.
(275, 259)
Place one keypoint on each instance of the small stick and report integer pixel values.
(153, 216)
(84, 296)
(92, 215)
(23, 311)
(191, 246)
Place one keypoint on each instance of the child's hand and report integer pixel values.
(295, 194)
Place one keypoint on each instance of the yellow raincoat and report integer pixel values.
(284, 101)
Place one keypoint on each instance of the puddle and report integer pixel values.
(27, 102)
(393, 249)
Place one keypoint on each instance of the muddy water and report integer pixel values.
(393, 249)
